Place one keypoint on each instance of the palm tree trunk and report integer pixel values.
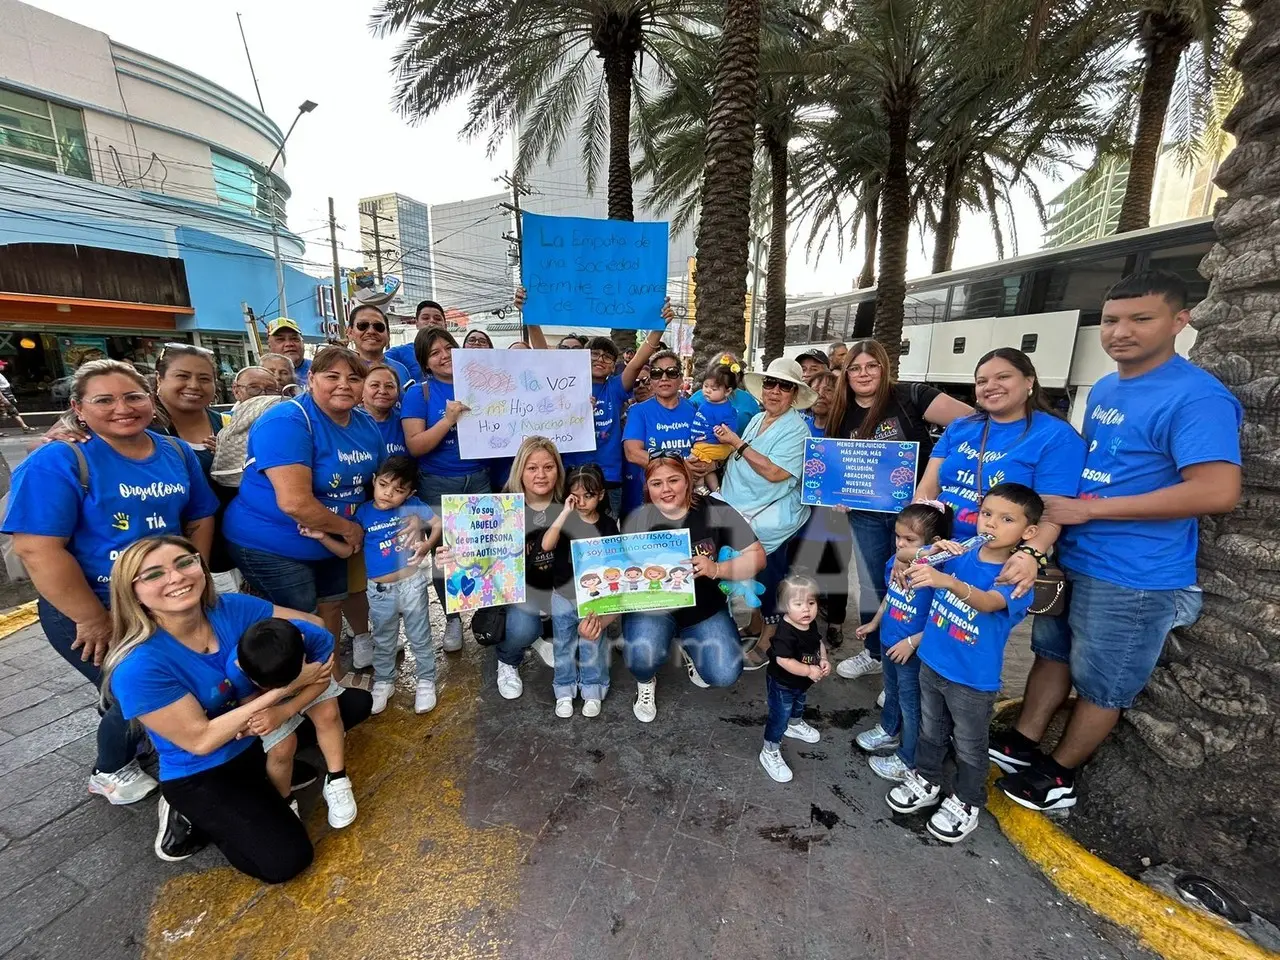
(944, 244)
(775, 303)
(870, 236)
(1192, 774)
(895, 227)
(1153, 104)
(724, 223)
(619, 65)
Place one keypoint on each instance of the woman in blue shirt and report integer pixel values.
(430, 416)
(307, 463)
(1012, 438)
(662, 424)
(74, 507)
(172, 668)
(382, 402)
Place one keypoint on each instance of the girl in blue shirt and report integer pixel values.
(74, 507)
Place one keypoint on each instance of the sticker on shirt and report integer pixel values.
(887, 430)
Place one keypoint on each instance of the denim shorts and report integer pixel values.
(300, 584)
(1111, 637)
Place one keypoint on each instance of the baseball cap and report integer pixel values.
(283, 323)
(815, 354)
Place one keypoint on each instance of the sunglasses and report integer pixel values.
(666, 455)
(156, 574)
(377, 325)
(189, 347)
(669, 373)
(642, 381)
(771, 383)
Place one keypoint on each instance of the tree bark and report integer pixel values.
(944, 244)
(1192, 774)
(1169, 37)
(870, 235)
(725, 220)
(895, 227)
(775, 304)
(619, 64)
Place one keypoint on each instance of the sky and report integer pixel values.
(355, 143)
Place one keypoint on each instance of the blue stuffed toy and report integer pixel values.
(749, 590)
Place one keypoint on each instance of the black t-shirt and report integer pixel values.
(902, 419)
(712, 525)
(539, 564)
(575, 528)
(794, 644)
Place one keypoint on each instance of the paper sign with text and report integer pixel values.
(515, 394)
(593, 273)
(633, 572)
(875, 475)
(485, 536)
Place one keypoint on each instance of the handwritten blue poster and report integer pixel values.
(874, 475)
(593, 273)
(633, 572)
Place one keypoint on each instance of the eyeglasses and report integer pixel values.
(188, 346)
(598, 355)
(870, 366)
(666, 455)
(772, 383)
(156, 574)
(106, 401)
(669, 373)
(377, 325)
(567, 346)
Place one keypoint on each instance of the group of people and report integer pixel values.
(146, 511)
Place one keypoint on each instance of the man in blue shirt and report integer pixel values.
(428, 314)
(284, 337)
(369, 333)
(1163, 447)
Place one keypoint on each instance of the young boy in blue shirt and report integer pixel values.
(961, 653)
(397, 583)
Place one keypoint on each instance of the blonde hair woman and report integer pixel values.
(172, 668)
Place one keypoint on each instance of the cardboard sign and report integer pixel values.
(515, 394)
(874, 475)
(633, 572)
(485, 534)
(593, 273)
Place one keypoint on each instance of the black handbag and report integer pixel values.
(489, 626)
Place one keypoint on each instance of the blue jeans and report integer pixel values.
(901, 713)
(873, 540)
(300, 584)
(118, 741)
(388, 602)
(582, 667)
(430, 489)
(713, 644)
(786, 706)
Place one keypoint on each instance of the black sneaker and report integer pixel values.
(176, 837)
(1037, 790)
(304, 775)
(1007, 755)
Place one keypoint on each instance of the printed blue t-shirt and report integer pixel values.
(961, 644)
(162, 671)
(400, 369)
(742, 400)
(426, 402)
(711, 415)
(392, 430)
(127, 499)
(906, 612)
(660, 429)
(610, 397)
(301, 371)
(341, 459)
(1046, 456)
(1140, 434)
(404, 356)
(386, 550)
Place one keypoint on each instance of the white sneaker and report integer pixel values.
(293, 805)
(509, 683)
(694, 677)
(591, 708)
(453, 635)
(546, 652)
(880, 699)
(775, 766)
(954, 820)
(876, 739)
(129, 784)
(564, 707)
(645, 707)
(858, 666)
(341, 800)
(361, 651)
(799, 730)
(382, 690)
(889, 768)
(424, 699)
(912, 794)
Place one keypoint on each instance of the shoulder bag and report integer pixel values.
(489, 626)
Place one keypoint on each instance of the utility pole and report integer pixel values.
(370, 209)
(251, 325)
(517, 191)
(337, 272)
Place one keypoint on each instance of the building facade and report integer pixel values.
(395, 240)
(136, 209)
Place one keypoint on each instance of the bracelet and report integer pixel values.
(741, 451)
(1041, 559)
(968, 587)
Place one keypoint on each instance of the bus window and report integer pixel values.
(925, 306)
(996, 297)
(1079, 286)
(1185, 262)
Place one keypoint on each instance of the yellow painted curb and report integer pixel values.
(11, 621)
(1170, 928)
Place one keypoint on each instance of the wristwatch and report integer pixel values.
(741, 451)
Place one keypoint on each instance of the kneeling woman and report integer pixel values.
(171, 668)
(707, 630)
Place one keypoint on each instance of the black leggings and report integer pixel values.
(242, 812)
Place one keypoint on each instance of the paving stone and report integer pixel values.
(46, 805)
(7, 670)
(35, 905)
(31, 746)
(21, 700)
(49, 709)
(25, 860)
(18, 648)
(34, 777)
(108, 917)
(685, 915)
(82, 750)
(34, 676)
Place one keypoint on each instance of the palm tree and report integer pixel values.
(1192, 774)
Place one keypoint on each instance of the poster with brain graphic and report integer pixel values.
(874, 475)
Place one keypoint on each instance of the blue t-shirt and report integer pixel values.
(392, 431)
(317, 647)
(906, 612)
(814, 429)
(301, 371)
(400, 369)
(712, 415)
(1141, 433)
(426, 402)
(341, 459)
(1046, 456)
(610, 398)
(961, 644)
(404, 356)
(162, 671)
(386, 551)
(658, 429)
(746, 405)
(127, 499)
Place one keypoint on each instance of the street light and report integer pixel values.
(306, 107)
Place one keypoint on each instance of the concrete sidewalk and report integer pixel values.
(493, 829)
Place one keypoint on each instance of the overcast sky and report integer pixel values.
(355, 144)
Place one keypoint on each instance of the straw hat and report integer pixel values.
(782, 369)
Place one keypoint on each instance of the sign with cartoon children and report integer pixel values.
(633, 572)
(485, 536)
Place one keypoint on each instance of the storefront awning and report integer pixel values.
(27, 308)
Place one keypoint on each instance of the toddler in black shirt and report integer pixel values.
(797, 660)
